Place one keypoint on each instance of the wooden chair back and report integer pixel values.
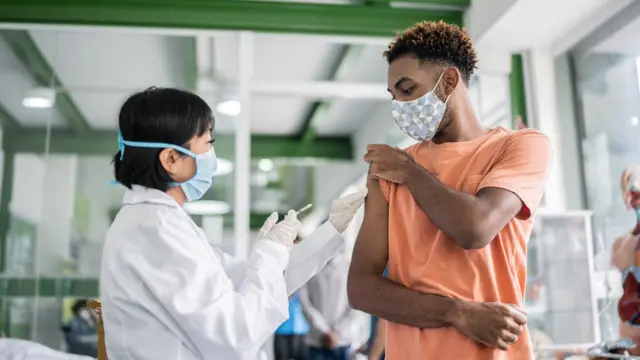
(96, 305)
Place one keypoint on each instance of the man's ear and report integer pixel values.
(451, 79)
(168, 158)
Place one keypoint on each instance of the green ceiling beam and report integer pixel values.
(347, 55)
(105, 143)
(256, 220)
(461, 3)
(319, 109)
(36, 64)
(263, 16)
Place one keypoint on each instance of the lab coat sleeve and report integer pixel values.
(234, 267)
(311, 255)
(316, 320)
(219, 320)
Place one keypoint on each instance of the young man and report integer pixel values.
(451, 214)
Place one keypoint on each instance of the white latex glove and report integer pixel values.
(343, 209)
(284, 232)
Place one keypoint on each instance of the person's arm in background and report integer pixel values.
(348, 322)
(313, 315)
(512, 188)
(377, 347)
(493, 324)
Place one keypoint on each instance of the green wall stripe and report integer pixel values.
(262, 146)
(49, 287)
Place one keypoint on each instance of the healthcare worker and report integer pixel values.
(167, 292)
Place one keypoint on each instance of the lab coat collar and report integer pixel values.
(140, 194)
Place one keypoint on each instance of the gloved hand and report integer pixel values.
(284, 232)
(343, 209)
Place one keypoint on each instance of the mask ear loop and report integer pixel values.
(121, 145)
(436, 86)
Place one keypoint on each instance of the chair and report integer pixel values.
(96, 305)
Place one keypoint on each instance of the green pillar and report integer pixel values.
(5, 221)
(517, 89)
(5, 199)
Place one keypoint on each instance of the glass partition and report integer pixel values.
(60, 93)
(560, 299)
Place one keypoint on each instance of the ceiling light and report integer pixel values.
(229, 107)
(265, 165)
(39, 98)
(206, 207)
(635, 121)
(224, 167)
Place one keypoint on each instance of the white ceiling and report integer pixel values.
(625, 41)
(528, 24)
(99, 70)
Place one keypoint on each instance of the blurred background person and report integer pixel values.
(290, 339)
(324, 302)
(80, 333)
(376, 342)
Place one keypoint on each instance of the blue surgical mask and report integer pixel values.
(421, 117)
(206, 166)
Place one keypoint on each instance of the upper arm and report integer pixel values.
(371, 250)
(522, 170)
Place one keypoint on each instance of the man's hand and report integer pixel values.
(329, 340)
(389, 163)
(494, 324)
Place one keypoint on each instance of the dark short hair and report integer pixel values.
(438, 42)
(163, 115)
(79, 305)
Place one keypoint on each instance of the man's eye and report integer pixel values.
(407, 91)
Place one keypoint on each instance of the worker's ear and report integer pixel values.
(169, 160)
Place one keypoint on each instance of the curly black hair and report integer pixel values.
(436, 41)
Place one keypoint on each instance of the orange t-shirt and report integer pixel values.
(425, 259)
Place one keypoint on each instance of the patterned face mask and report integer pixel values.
(421, 117)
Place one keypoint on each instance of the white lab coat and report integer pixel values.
(17, 349)
(167, 293)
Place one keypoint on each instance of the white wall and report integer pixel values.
(94, 176)
(28, 182)
(542, 108)
(570, 144)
